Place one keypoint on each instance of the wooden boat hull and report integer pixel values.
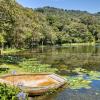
(35, 84)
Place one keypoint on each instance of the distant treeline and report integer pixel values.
(22, 27)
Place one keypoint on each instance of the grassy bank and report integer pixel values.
(79, 44)
(24, 65)
(13, 50)
(10, 50)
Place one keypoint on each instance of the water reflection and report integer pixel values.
(68, 94)
(72, 57)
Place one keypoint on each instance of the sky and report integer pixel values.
(91, 6)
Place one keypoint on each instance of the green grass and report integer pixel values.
(10, 50)
(11, 68)
(78, 44)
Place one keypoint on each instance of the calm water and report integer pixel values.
(86, 57)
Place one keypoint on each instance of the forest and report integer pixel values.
(22, 27)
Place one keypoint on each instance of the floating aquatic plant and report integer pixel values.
(31, 65)
(83, 79)
(78, 82)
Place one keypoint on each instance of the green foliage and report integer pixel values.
(25, 65)
(31, 65)
(8, 92)
(26, 27)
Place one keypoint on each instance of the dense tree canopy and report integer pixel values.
(24, 27)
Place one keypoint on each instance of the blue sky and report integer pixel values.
(84, 5)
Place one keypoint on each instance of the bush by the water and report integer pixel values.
(8, 92)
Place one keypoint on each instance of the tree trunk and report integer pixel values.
(1, 49)
(42, 43)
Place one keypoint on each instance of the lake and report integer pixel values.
(80, 65)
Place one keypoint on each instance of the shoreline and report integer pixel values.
(78, 44)
(14, 50)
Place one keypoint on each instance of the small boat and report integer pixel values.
(35, 84)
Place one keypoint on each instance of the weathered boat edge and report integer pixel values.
(40, 90)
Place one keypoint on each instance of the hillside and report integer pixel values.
(25, 27)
